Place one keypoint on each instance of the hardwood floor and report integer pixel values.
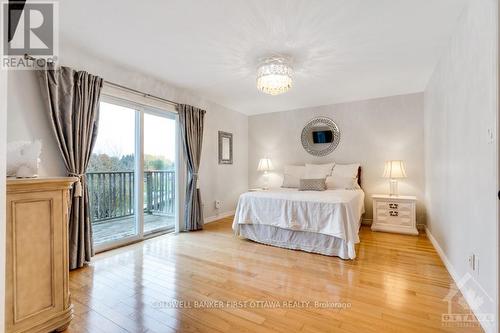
(397, 284)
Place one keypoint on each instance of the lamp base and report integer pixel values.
(266, 181)
(394, 188)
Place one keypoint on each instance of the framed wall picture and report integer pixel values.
(225, 148)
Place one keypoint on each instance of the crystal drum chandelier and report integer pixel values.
(274, 76)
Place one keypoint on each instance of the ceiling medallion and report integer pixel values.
(274, 75)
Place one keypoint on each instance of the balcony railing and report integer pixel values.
(112, 194)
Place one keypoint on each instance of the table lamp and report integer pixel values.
(394, 170)
(265, 165)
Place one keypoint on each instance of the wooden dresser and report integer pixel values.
(37, 291)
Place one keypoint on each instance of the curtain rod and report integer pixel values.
(116, 85)
(137, 92)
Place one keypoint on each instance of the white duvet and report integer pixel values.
(333, 212)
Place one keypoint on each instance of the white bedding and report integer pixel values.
(335, 213)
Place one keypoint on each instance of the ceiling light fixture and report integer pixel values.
(274, 76)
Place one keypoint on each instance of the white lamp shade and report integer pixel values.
(265, 164)
(394, 169)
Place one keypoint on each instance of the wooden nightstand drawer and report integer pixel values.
(392, 218)
(394, 214)
(394, 205)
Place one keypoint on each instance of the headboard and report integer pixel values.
(359, 176)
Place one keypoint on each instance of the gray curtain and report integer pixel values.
(72, 98)
(191, 130)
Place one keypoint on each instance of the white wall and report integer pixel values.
(224, 182)
(3, 172)
(461, 158)
(27, 120)
(372, 131)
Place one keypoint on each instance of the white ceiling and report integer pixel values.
(343, 50)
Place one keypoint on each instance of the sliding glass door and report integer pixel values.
(111, 176)
(159, 172)
(131, 175)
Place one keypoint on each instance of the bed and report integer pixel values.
(325, 222)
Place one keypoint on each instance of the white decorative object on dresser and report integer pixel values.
(394, 214)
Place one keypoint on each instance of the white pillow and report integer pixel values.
(292, 175)
(341, 183)
(317, 171)
(346, 170)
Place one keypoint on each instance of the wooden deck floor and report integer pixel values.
(120, 228)
(397, 284)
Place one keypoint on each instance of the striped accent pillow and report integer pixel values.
(312, 184)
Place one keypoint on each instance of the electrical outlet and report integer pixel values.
(218, 204)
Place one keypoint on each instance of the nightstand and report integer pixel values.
(394, 214)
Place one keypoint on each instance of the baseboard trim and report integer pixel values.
(441, 254)
(421, 227)
(366, 221)
(454, 275)
(219, 216)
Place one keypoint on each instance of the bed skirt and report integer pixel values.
(295, 239)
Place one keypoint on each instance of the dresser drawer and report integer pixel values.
(395, 220)
(394, 212)
(394, 205)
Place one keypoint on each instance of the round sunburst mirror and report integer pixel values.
(320, 136)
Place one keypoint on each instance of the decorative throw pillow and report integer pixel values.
(292, 175)
(341, 183)
(317, 171)
(346, 170)
(312, 184)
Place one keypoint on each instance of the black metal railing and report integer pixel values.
(112, 194)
